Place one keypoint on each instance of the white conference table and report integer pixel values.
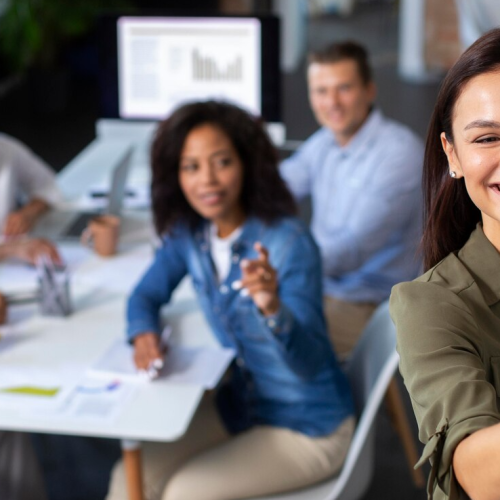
(157, 411)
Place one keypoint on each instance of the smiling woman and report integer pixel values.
(283, 418)
(448, 319)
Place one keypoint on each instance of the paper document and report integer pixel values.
(97, 400)
(203, 366)
(29, 389)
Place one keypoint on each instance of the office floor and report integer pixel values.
(77, 468)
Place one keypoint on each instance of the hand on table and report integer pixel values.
(260, 280)
(148, 354)
(18, 223)
(30, 250)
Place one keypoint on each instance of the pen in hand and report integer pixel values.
(149, 352)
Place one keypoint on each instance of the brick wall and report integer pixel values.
(442, 41)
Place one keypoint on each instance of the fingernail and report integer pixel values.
(158, 364)
(244, 263)
(236, 285)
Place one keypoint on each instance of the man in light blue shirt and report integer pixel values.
(363, 173)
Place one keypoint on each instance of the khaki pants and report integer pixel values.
(20, 477)
(346, 321)
(208, 464)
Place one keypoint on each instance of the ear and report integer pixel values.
(372, 91)
(450, 153)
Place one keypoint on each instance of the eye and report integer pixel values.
(488, 139)
(188, 167)
(224, 161)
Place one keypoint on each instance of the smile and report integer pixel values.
(211, 198)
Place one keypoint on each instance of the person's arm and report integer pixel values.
(297, 325)
(152, 292)
(477, 464)
(36, 180)
(22, 221)
(386, 202)
(438, 342)
(296, 170)
(29, 250)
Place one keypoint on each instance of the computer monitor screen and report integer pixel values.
(157, 63)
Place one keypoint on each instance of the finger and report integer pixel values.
(262, 251)
(50, 250)
(261, 287)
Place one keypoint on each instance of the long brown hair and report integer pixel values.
(449, 214)
(264, 193)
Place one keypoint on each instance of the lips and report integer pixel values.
(212, 198)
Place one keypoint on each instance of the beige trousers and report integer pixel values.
(208, 464)
(346, 321)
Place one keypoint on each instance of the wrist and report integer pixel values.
(272, 308)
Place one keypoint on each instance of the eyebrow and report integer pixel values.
(215, 153)
(482, 124)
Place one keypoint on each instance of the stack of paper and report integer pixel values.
(202, 366)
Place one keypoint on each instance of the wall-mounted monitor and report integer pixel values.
(151, 64)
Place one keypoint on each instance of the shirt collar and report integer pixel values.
(252, 231)
(368, 130)
(483, 262)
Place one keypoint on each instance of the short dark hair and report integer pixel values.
(342, 51)
(449, 213)
(264, 193)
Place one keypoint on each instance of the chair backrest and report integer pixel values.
(373, 351)
(370, 370)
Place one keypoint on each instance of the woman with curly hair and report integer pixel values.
(283, 418)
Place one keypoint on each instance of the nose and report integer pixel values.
(207, 174)
(333, 98)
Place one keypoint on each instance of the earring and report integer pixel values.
(453, 174)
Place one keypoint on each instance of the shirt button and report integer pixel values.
(236, 258)
(240, 362)
(223, 289)
(271, 323)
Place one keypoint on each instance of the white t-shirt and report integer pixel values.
(220, 250)
(23, 175)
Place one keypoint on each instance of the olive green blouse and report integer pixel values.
(448, 329)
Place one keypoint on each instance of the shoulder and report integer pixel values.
(10, 146)
(432, 301)
(400, 138)
(317, 140)
(178, 235)
(289, 236)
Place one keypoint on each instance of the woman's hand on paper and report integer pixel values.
(148, 354)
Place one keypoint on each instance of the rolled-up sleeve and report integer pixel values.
(439, 346)
(155, 289)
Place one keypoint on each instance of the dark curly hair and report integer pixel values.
(264, 193)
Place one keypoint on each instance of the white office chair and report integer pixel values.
(370, 370)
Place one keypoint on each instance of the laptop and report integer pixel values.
(66, 225)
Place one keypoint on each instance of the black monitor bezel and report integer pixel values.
(108, 61)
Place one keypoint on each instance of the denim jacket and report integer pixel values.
(285, 373)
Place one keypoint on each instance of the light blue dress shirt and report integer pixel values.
(366, 204)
